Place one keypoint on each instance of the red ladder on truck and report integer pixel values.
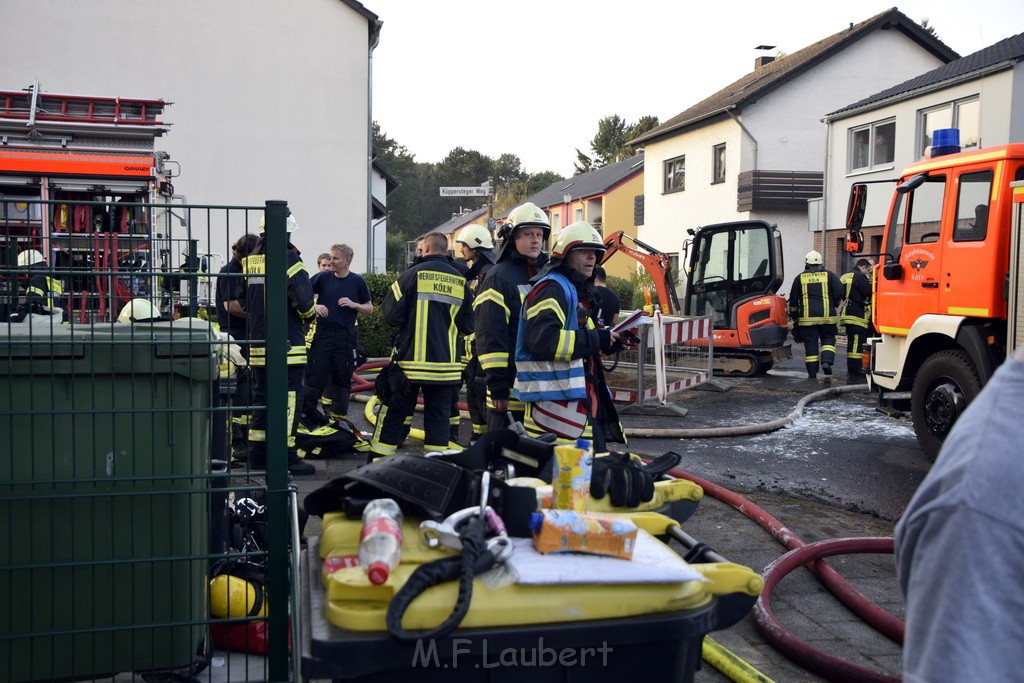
(33, 106)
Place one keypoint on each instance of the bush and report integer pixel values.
(374, 334)
(623, 288)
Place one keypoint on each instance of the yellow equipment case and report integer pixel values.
(553, 632)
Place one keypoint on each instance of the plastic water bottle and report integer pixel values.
(380, 542)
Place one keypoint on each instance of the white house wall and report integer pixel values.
(999, 94)
(786, 124)
(270, 98)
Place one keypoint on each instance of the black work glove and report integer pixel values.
(624, 479)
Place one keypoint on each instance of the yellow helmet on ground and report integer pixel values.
(233, 596)
(813, 258)
(30, 257)
(475, 236)
(138, 310)
(579, 235)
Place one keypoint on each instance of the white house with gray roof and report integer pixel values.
(982, 94)
(756, 149)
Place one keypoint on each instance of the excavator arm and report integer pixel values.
(657, 263)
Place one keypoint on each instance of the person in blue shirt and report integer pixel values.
(341, 296)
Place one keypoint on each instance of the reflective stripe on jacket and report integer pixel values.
(561, 377)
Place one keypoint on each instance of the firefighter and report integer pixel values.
(498, 305)
(813, 299)
(477, 248)
(41, 292)
(430, 304)
(856, 315)
(558, 351)
(231, 317)
(300, 312)
(138, 311)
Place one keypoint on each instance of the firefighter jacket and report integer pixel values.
(857, 308)
(431, 305)
(300, 305)
(814, 297)
(560, 343)
(558, 375)
(474, 277)
(42, 291)
(497, 306)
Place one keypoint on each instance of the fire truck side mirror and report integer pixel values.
(892, 270)
(855, 209)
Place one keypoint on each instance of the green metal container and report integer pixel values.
(104, 523)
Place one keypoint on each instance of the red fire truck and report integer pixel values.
(946, 301)
(81, 182)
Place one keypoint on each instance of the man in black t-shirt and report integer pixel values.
(341, 296)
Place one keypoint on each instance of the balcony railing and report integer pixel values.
(777, 190)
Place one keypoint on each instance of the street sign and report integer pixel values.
(480, 191)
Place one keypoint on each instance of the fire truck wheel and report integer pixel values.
(945, 385)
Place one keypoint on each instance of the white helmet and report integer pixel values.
(30, 257)
(290, 221)
(138, 310)
(579, 235)
(525, 215)
(813, 258)
(475, 236)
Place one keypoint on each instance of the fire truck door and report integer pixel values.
(914, 240)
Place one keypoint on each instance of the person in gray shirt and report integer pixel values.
(960, 545)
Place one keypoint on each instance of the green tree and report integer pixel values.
(400, 164)
(538, 181)
(611, 143)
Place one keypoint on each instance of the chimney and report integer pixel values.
(763, 59)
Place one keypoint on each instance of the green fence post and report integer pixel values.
(276, 292)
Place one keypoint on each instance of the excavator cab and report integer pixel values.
(733, 273)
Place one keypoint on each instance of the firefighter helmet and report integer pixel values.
(138, 310)
(813, 258)
(579, 235)
(475, 236)
(526, 215)
(233, 596)
(290, 221)
(30, 257)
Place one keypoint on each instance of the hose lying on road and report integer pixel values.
(829, 666)
(741, 430)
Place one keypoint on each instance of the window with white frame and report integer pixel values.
(964, 114)
(675, 174)
(871, 146)
(718, 167)
(577, 214)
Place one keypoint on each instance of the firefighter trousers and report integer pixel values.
(819, 347)
(258, 424)
(393, 421)
(331, 357)
(855, 337)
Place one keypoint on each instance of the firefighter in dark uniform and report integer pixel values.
(42, 291)
(856, 315)
(813, 299)
(300, 313)
(498, 304)
(478, 249)
(430, 304)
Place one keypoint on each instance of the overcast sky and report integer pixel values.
(533, 77)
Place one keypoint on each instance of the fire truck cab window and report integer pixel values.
(972, 212)
(919, 213)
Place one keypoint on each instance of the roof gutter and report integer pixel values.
(683, 124)
(728, 110)
(371, 251)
